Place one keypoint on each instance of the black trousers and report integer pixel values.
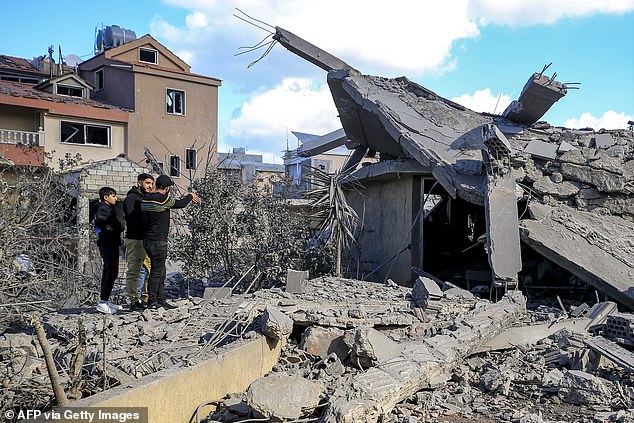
(110, 255)
(157, 252)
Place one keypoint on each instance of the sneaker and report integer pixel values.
(137, 307)
(166, 305)
(152, 306)
(114, 307)
(102, 307)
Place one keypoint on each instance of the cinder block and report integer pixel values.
(296, 281)
(213, 293)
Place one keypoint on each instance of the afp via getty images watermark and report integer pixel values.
(79, 415)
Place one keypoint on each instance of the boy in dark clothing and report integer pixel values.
(135, 253)
(109, 224)
(156, 217)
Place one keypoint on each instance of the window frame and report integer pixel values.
(99, 81)
(85, 127)
(70, 88)
(151, 50)
(183, 101)
(175, 171)
(191, 163)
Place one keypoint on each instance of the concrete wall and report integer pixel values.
(19, 118)
(386, 208)
(173, 395)
(118, 83)
(165, 134)
(52, 144)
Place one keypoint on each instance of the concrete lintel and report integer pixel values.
(322, 144)
(308, 51)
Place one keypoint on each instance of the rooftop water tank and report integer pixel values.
(113, 36)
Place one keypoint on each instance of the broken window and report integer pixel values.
(81, 133)
(175, 166)
(175, 102)
(99, 79)
(190, 159)
(70, 91)
(148, 55)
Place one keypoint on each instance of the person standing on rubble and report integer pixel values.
(109, 223)
(156, 217)
(135, 253)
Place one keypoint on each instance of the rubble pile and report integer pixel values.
(553, 374)
(587, 170)
(117, 348)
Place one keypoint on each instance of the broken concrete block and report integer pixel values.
(214, 293)
(276, 324)
(425, 289)
(577, 387)
(541, 149)
(565, 146)
(369, 346)
(16, 344)
(296, 281)
(321, 341)
(602, 141)
(291, 394)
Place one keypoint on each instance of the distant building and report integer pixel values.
(250, 167)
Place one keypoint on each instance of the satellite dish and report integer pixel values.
(72, 60)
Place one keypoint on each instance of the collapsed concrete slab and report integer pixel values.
(422, 364)
(596, 248)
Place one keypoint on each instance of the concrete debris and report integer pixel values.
(296, 281)
(579, 387)
(368, 347)
(539, 93)
(620, 326)
(613, 352)
(603, 141)
(322, 341)
(216, 293)
(276, 324)
(541, 149)
(292, 394)
(424, 291)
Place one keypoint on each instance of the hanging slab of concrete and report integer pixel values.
(173, 395)
(322, 144)
(539, 93)
(597, 249)
(422, 364)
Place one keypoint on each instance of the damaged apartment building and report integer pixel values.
(477, 198)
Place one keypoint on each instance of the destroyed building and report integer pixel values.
(546, 204)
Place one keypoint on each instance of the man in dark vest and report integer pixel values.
(156, 217)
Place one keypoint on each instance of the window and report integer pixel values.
(81, 133)
(175, 102)
(190, 158)
(70, 91)
(99, 79)
(148, 56)
(175, 166)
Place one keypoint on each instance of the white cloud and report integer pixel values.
(484, 101)
(609, 120)
(294, 104)
(196, 20)
(542, 11)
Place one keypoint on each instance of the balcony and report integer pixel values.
(22, 147)
(12, 136)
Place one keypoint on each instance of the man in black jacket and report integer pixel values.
(156, 217)
(109, 224)
(135, 253)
